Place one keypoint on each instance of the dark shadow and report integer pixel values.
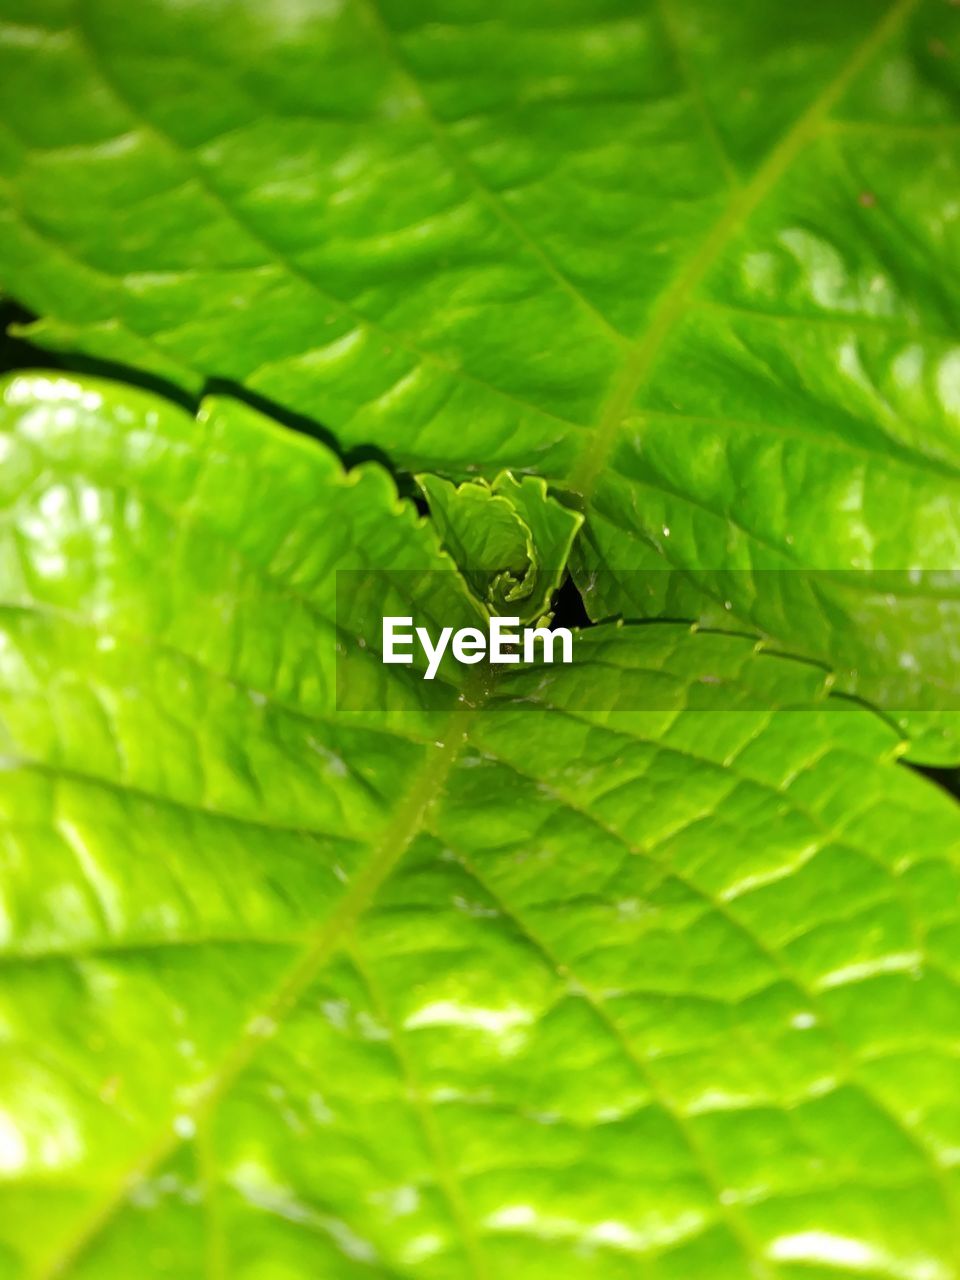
(409, 489)
(299, 422)
(948, 779)
(568, 607)
(17, 353)
(128, 375)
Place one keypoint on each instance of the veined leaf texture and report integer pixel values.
(645, 967)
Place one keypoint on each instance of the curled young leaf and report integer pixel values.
(511, 540)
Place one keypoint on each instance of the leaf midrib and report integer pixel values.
(669, 308)
(405, 824)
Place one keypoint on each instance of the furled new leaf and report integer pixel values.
(511, 540)
(645, 966)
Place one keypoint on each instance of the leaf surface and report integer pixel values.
(696, 271)
(645, 965)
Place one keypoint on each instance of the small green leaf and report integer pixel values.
(511, 540)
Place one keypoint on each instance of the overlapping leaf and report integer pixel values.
(576, 976)
(697, 271)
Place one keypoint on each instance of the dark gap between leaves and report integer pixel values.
(568, 607)
(948, 779)
(18, 354)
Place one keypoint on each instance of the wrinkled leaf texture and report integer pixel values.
(696, 267)
(534, 984)
(558, 974)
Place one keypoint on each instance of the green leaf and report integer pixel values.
(511, 540)
(646, 965)
(697, 270)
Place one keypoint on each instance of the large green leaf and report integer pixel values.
(645, 967)
(695, 266)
